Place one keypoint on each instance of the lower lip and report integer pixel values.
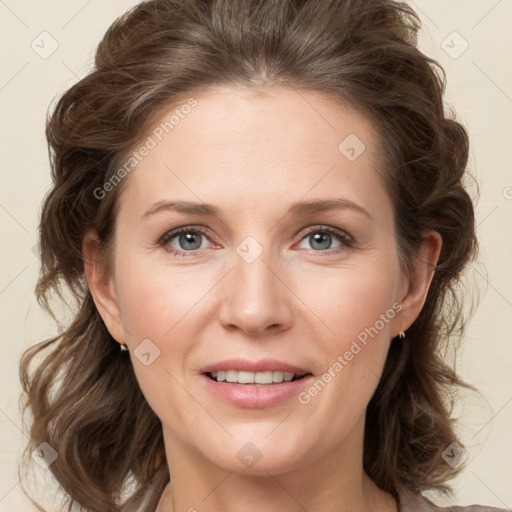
(253, 396)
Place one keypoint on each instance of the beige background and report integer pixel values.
(479, 88)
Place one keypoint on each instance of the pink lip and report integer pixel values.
(254, 396)
(263, 365)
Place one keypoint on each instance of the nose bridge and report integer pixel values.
(254, 298)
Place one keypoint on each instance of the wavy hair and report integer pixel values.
(81, 392)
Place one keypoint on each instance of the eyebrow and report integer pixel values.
(299, 208)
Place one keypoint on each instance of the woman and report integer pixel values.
(259, 209)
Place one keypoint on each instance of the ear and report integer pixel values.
(420, 279)
(101, 285)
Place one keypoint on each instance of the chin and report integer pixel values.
(258, 456)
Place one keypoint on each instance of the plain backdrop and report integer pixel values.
(47, 46)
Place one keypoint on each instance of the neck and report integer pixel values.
(373, 500)
(333, 482)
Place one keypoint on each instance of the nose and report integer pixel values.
(255, 297)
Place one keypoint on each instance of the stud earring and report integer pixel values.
(401, 335)
(124, 347)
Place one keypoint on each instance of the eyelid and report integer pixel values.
(172, 233)
(346, 240)
(341, 233)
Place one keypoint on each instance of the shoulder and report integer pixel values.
(411, 502)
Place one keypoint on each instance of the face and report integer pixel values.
(264, 283)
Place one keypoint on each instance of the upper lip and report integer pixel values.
(264, 365)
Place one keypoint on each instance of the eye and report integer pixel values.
(187, 239)
(321, 238)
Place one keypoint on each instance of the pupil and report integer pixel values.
(317, 238)
(189, 238)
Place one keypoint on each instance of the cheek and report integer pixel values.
(351, 300)
(157, 305)
(341, 304)
(155, 302)
(358, 307)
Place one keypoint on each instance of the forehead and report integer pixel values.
(271, 144)
(282, 119)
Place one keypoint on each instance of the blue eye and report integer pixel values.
(321, 238)
(190, 240)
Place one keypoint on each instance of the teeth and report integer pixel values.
(243, 377)
(288, 376)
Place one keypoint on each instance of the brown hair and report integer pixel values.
(83, 396)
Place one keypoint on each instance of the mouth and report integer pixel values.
(266, 378)
(251, 384)
(255, 390)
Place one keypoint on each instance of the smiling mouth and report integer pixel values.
(254, 378)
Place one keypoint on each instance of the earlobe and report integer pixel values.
(101, 285)
(420, 279)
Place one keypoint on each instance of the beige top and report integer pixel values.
(410, 502)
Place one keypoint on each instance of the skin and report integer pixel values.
(253, 155)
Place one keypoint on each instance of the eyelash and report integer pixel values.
(342, 237)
